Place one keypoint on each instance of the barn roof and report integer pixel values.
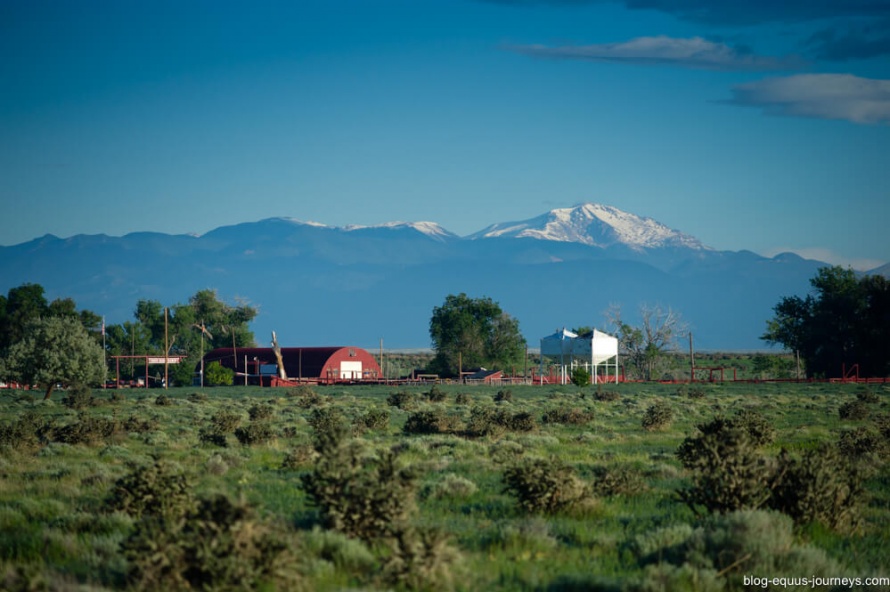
(298, 361)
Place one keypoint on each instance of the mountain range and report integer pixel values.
(354, 285)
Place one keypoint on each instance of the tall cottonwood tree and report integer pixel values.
(55, 350)
(843, 322)
(472, 332)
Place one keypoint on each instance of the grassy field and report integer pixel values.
(64, 465)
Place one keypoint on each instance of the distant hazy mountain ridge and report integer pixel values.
(322, 285)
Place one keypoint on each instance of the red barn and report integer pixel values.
(307, 364)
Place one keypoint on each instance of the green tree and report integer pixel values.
(844, 321)
(473, 332)
(55, 350)
(22, 305)
(218, 375)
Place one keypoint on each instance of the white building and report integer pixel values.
(592, 352)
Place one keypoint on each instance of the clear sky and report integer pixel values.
(756, 125)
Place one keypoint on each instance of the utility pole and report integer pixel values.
(166, 351)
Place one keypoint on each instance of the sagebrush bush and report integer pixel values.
(256, 432)
(658, 416)
(403, 400)
(158, 489)
(822, 486)
(220, 425)
(568, 416)
(420, 559)
(87, 429)
(484, 422)
(606, 396)
(79, 397)
(462, 399)
(28, 432)
(306, 396)
(718, 553)
(729, 472)
(375, 419)
(330, 428)
(164, 401)
(436, 394)
(868, 396)
(299, 457)
(854, 410)
(430, 422)
(360, 493)
(452, 486)
(544, 485)
(504, 396)
(218, 545)
(618, 480)
(862, 441)
(261, 412)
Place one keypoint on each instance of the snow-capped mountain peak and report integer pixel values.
(595, 225)
(430, 229)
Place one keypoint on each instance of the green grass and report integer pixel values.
(54, 520)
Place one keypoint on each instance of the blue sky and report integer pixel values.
(750, 125)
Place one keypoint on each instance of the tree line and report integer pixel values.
(47, 343)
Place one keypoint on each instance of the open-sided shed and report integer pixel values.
(593, 351)
(309, 364)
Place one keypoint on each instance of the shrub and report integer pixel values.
(256, 432)
(462, 399)
(691, 391)
(420, 560)
(198, 397)
(79, 397)
(503, 396)
(163, 401)
(219, 545)
(158, 489)
(218, 375)
(306, 397)
(139, 425)
(375, 419)
(657, 417)
(544, 486)
(87, 430)
(329, 427)
(580, 376)
(757, 426)
(221, 424)
(568, 416)
(728, 471)
(298, 458)
(820, 486)
(618, 480)
(402, 400)
(452, 486)
(522, 422)
(484, 422)
(868, 396)
(430, 422)
(260, 412)
(854, 410)
(605, 396)
(436, 394)
(28, 432)
(861, 441)
(715, 555)
(361, 495)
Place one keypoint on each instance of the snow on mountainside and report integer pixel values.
(430, 229)
(595, 225)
